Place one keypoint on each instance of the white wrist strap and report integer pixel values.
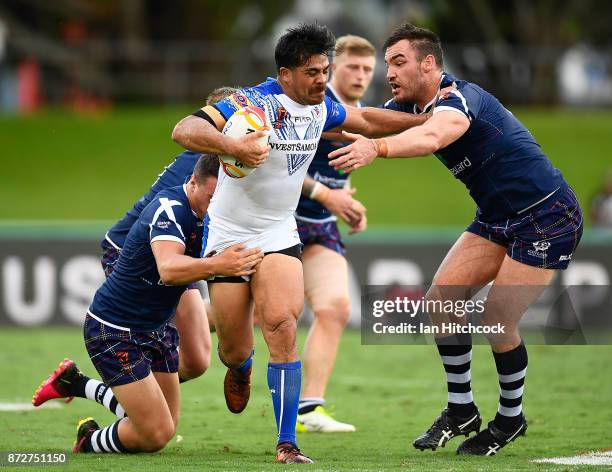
(316, 189)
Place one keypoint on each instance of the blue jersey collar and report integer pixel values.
(446, 80)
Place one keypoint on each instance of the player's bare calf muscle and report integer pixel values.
(517, 286)
(326, 289)
(192, 324)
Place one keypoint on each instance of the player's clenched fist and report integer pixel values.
(237, 260)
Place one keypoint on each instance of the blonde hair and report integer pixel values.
(351, 44)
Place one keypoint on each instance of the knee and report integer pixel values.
(274, 314)
(335, 313)
(284, 328)
(494, 312)
(281, 339)
(156, 439)
(195, 366)
(234, 355)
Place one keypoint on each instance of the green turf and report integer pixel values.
(391, 393)
(60, 166)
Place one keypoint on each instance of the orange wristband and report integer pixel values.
(381, 147)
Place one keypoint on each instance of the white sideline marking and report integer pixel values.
(16, 406)
(592, 458)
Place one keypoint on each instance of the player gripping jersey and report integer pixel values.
(135, 282)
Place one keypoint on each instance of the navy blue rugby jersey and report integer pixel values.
(320, 170)
(497, 158)
(177, 173)
(134, 297)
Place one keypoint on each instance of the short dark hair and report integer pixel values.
(299, 44)
(424, 42)
(219, 94)
(206, 166)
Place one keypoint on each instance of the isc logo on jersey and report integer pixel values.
(244, 121)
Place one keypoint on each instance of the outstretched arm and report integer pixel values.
(375, 122)
(439, 131)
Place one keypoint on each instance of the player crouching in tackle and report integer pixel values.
(189, 324)
(527, 226)
(124, 327)
(259, 211)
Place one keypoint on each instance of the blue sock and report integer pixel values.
(242, 368)
(246, 364)
(285, 381)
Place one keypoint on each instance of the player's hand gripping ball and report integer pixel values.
(244, 121)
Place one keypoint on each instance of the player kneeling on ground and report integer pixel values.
(124, 327)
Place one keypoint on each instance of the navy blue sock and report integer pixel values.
(285, 381)
(511, 369)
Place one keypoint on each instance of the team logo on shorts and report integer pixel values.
(541, 246)
(123, 357)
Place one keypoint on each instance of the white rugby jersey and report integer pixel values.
(242, 210)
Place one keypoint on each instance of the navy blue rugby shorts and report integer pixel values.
(326, 234)
(122, 356)
(545, 237)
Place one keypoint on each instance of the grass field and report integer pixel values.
(390, 392)
(56, 165)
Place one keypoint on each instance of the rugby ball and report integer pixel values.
(244, 121)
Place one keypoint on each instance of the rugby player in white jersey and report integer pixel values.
(258, 211)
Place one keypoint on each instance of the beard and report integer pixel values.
(412, 93)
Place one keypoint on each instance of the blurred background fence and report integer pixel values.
(88, 53)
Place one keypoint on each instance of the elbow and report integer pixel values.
(431, 144)
(166, 275)
(179, 134)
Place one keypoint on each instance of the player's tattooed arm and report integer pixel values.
(197, 133)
